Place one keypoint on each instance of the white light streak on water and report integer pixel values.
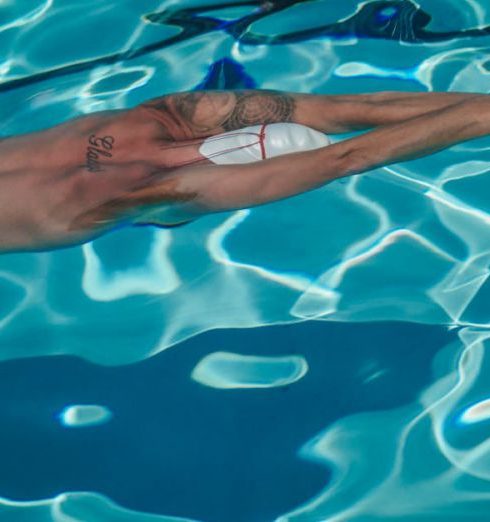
(476, 412)
(83, 415)
(395, 244)
(227, 370)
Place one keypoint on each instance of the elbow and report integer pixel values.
(480, 107)
(354, 161)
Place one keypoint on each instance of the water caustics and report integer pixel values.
(410, 242)
(81, 415)
(231, 370)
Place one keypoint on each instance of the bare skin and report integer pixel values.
(71, 183)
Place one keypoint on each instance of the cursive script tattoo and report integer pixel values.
(97, 148)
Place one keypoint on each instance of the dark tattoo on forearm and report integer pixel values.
(255, 107)
(98, 147)
(186, 103)
(188, 114)
(176, 114)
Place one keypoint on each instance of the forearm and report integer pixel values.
(237, 186)
(364, 111)
(46, 183)
(203, 113)
(417, 137)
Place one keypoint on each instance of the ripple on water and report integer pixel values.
(77, 507)
(227, 370)
(477, 412)
(342, 253)
(82, 415)
(12, 295)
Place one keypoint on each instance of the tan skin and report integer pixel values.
(71, 183)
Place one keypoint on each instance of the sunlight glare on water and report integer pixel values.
(410, 242)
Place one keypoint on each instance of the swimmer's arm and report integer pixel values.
(227, 187)
(188, 115)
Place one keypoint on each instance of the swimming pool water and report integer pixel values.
(320, 358)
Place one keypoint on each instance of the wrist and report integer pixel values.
(481, 110)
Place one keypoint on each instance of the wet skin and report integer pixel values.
(71, 183)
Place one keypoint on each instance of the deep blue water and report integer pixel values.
(179, 448)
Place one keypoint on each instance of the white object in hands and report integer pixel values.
(260, 142)
(246, 145)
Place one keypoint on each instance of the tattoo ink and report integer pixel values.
(227, 109)
(254, 107)
(186, 104)
(97, 148)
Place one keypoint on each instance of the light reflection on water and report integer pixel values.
(408, 243)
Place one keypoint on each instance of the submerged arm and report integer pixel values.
(218, 188)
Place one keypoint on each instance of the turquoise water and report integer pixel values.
(364, 394)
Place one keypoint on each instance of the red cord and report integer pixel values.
(261, 142)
